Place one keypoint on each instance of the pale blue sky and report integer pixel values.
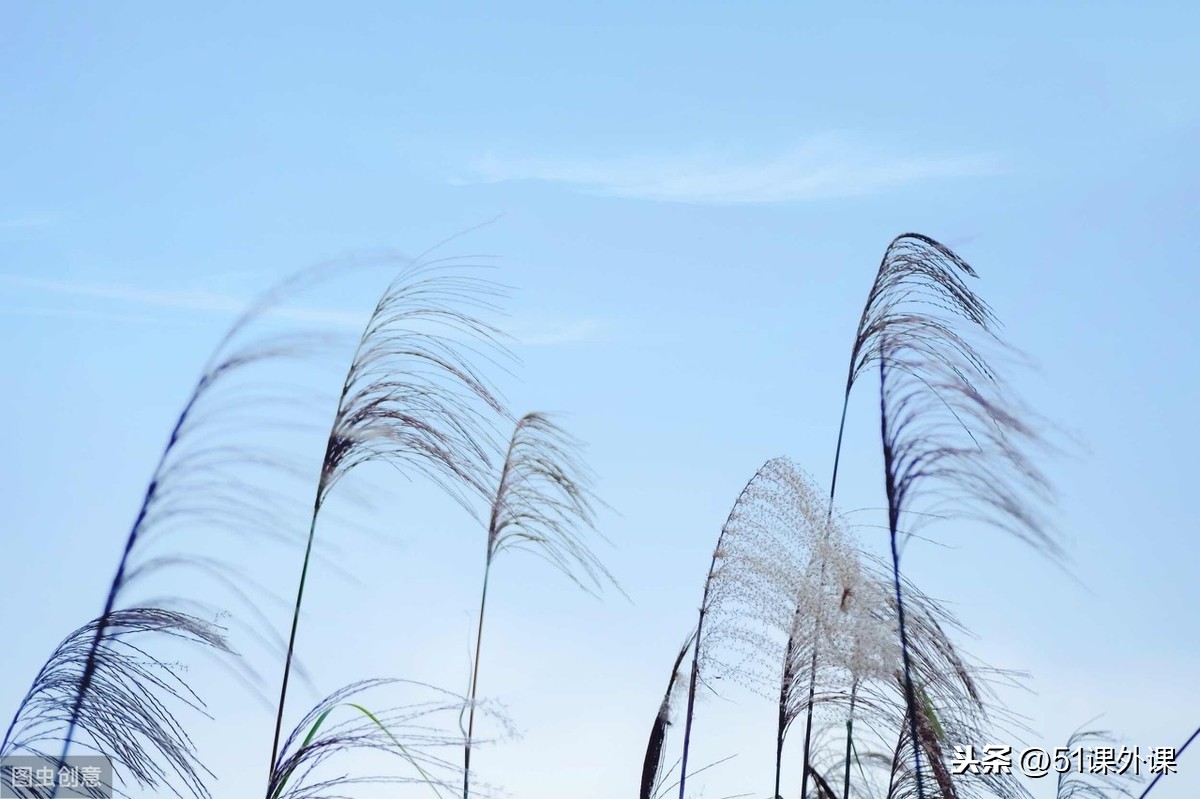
(694, 200)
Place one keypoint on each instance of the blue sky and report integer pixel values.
(692, 202)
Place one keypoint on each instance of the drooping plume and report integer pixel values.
(129, 709)
(543, 503)
(346, 724)
(754, 578)
(412, 398)
(949, 424)
(954, 444)
(1088, 784)
(103, 686)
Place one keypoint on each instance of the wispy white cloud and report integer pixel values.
(529, 331)
(79, 313)
(191, 300)
(821, 167)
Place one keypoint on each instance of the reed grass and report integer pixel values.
(410, 734)
(713, 587)
(543, 503)
(792, 608)
(946, 426)
(100, 684)
(412, 398)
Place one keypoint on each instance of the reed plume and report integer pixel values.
(342, 724)
(946, 425)
(1078, 784)
(752, 576)
(98, 664)
(836, 633)
(906, 286)
(413, 399)
(846, 609)
(542, 503)
(947, 719)
(694, 675)
(128, 711)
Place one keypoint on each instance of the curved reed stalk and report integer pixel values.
(542, 503)
(926, 410)
(907, 280)
(95, 663)
(945, 423)
(917, 274)
(755, 567)
(411, 398)
(694, 675)
(652, 765)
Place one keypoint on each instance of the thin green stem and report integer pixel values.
(861, 771)
(837, 452)
(849, 741)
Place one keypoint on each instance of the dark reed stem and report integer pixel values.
(812, 685)
(812, 692)
(399, 404)
(322, 483)
(837, 452)
(287, 665)
(691, 700)
(542, 499)
(849, 741)
(474, 685)
(89, 668)
(910, 697)
(893, 528)
(1178, 752)
(784, 690)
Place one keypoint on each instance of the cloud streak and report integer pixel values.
(190, 300)
(528, 332)
(80, 313)
(822, 167)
